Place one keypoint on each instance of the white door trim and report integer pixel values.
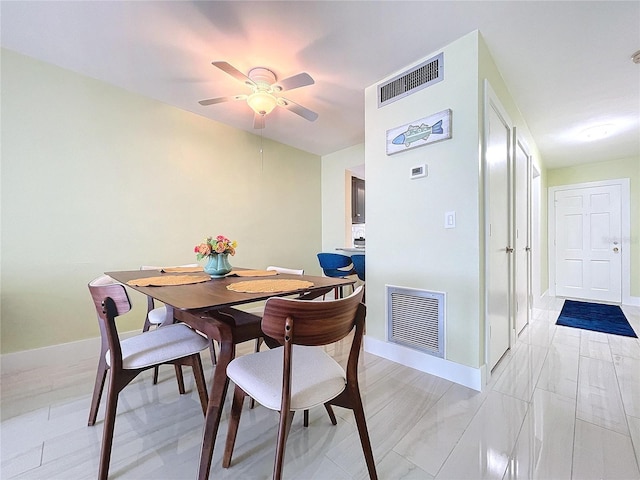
(625, 244)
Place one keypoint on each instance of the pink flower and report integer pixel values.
(204, 249)
(211, 245)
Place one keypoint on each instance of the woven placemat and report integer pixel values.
(167, 280)
(182, 269)
(253, 273)
(269, 286)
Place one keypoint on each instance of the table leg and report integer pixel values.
(216, 399)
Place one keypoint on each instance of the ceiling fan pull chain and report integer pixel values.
(261, 153)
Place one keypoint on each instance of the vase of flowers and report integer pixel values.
(216, 250)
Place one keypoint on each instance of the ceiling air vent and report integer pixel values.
(424, 75)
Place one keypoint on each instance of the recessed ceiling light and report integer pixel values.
(597, 132)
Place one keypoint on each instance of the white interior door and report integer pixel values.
(522, 240)
(496, 162)
(588, 243)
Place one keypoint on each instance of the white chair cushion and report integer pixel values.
(157, 315)
(161, 345)
(316, 377)
(102, 280)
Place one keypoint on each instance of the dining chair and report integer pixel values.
(175, 344)
(273, 268)
(336, 265)
(156, 316)
(358, 265)
(259, 340)
(300, 375)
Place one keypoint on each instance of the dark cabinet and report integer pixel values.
(357, 200)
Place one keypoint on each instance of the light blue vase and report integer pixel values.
(218, 265)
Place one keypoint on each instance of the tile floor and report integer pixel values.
(563, 404)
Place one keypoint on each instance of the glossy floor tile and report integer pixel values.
(562, 404)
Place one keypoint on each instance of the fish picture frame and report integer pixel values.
(431, 129)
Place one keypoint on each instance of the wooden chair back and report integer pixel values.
(310, 323)
(110, 300)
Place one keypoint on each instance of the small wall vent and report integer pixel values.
(415, 318)
(422, 76)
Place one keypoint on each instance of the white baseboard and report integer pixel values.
(462, 374)
(54, 355)
(631, 301)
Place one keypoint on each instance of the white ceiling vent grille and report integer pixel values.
(422, 76)
(415, 319)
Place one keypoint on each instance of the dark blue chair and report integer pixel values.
(336, 265)
(358, 265)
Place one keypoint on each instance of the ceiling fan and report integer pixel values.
(264, 87)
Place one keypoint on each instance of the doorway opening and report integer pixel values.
(355, 211)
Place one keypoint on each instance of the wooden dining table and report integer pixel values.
(209, 308)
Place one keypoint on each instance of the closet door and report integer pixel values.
(496, 162)
(522, 237)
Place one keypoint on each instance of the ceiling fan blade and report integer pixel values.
(211, 101)
(296, 81)
(234, 72)
(298, 109)
(258, 121)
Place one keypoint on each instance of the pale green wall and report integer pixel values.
(488, 69)
(334, 193)
(95, 178)
(610, 170)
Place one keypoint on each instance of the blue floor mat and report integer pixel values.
(595, 316)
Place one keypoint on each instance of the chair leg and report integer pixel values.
(361, 422)
(156, 370)
(286, 418)
(179, 378)
(306, 418)
(212, 351)
(332, 416)
(201, 384)
(109, 423)
(234, 421)
(101, 376)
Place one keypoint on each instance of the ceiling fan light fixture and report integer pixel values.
(262, 102)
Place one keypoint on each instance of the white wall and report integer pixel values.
(407, 244)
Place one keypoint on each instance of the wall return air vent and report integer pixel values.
(415, 319)
(424, 75)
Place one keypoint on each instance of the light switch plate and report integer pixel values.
(450, 220)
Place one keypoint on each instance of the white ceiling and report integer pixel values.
(567, 64)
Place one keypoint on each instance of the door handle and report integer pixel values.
(509, 250)
(616, 249)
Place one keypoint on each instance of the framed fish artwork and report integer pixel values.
(431, 129)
